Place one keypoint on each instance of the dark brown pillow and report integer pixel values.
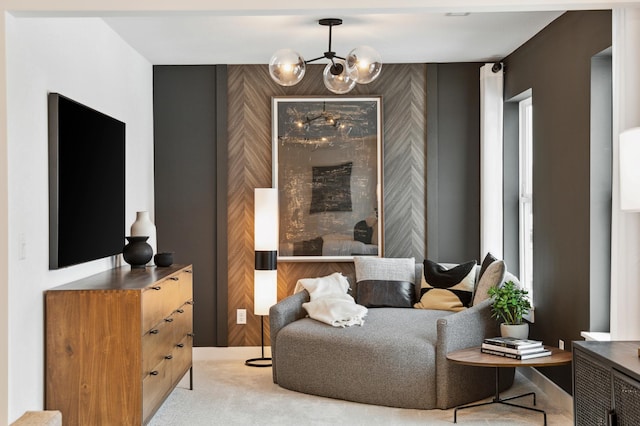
(488, 260)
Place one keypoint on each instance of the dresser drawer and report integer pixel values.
(155, 386)
(183, 324)
(156, 304)
(157, 343)
(165, 296)
(185, 291)
(182, 357)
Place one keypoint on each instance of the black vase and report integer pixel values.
(137, 252)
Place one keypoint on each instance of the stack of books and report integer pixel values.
(510, 347)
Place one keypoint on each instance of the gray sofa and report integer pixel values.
(397, 358)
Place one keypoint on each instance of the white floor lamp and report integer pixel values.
(265, 290)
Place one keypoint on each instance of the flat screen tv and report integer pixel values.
(86, 183)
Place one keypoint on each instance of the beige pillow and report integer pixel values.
(492, 277)
(449, 298)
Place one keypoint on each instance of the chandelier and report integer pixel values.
(362, 65)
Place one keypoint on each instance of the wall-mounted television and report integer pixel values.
(86, 183)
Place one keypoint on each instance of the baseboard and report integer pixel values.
(229, 353)
(553, 391)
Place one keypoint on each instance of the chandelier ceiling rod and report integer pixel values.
(329, 54)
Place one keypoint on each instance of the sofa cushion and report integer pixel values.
(447, 289)
(385, 282)
(389, 361)
(493, 276)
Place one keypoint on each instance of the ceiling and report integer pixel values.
(201, 38)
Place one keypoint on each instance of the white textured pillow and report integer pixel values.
(385, 282)
(492, 277)
(387, 269)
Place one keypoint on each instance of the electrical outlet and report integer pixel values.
(241, 316)
(561, 344)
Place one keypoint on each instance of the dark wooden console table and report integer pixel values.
(606, 383)
(473, 356)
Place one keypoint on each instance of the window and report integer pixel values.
(526, 195)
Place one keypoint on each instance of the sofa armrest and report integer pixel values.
(466, 328)
(282, 313)
(458, 384)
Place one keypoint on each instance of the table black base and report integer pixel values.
(258, 362)
(497, 400)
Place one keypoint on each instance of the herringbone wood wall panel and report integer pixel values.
(403, 91)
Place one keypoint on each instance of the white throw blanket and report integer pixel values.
(330, 302)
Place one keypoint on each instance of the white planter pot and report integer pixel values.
(144, 227)
(519, 331)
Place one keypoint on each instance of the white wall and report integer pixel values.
(84, 60)
(625, 226)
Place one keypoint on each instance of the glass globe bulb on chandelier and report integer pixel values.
(362, 65)
(340, 83)
(287, 67)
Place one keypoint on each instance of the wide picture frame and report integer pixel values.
(327, 167)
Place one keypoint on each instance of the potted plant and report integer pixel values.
(510, 303)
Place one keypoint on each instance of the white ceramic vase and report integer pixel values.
(519, 331)
(144, 227)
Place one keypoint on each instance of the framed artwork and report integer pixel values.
(327, 167)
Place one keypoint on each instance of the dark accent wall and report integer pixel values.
(556, 65)
(190, 185)
(453, 162)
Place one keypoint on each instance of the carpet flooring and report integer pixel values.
(226, 392)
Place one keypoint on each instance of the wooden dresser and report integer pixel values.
(117, 343)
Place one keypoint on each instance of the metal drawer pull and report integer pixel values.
(180, 311)
(154, 331)
(168, 319)
(168, 357)
(189, 271)
(190, 302)
(154, 373)
(180, 345)
(191, 335)
(156, 287)
(174, 278)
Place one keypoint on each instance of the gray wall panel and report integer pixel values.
(185, 181)
(556, 65)
(454, 198)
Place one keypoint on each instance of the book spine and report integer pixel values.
(510, 345)
(504, 354)
(515, 356)
(511, 350)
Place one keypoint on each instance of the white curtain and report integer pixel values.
(491, 204)
(625, 232)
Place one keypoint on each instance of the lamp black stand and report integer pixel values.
(262, 361)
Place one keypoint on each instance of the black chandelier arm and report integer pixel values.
(315, 59)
